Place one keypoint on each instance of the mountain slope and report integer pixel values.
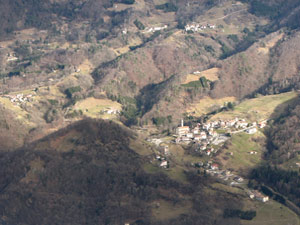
(87, 174)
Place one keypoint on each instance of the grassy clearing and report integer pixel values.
(92, 107)
(190, 77)
(270, 213)
(241, 161)
(226, 188)
(150, 168)
(86, 67)
(291, 164)
(125, 49)
(176, 173)
(210, 74)
(270, 44)
(207, 105)
(259, 108)
(140, 147)
(167, 210)
(20, 113)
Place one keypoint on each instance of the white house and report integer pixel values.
(203, 136)
(262, 124)
(181, 131)
(214, 166)
(260, 197)
(251, 130)
(164, 164)
(190, 135)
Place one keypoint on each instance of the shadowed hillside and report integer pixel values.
(87, 174)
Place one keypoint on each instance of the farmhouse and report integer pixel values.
(214, 166)
(260, 197)
(251, 130)
(181, 131)
(164, 164)
(262, 124)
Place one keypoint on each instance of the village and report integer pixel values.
(19, 99)
(204, 139)
(154, 29)
(214, 133)
(196, 27)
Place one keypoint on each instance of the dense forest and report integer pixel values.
(277, 10)
(284, 136)
(285, 182)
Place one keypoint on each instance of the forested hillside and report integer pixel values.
(88, 174)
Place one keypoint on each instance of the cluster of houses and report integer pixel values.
(11, 57)
(225, 175)
(153, 29)
(163, 162)
(19, 98)
(196, 27)
(197, 134)
(111, 111)
(205, 134)
(228, 176)
(236, 123)
(202, 135)
(254, 194)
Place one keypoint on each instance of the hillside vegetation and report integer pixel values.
(87, 173)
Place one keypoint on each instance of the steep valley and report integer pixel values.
(92, 94)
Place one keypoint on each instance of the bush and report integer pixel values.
(102, 34)
(230, 106)
(158, 120)
(233, 37)
(131, 113)
(245, 215)
(70, 91)
(139, 24)
(193, 84)
(209, 48)
(128, 2)
(167, 7)
(53, 101)
(201, 83)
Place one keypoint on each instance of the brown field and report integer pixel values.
(92, 107)
(86, 67)
(167, 210)
(270, 44)
(210, 74)
(208, 104)
(259, 108)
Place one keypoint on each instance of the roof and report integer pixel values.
(183, 128)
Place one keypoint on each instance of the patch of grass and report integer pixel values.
(241, 144)
(226, 188)
(176, 173)
(207, 104)
(20, 113)
(140, 147)
(168, 210)
(92, 107)
(259, 108)
(150, 168)
(270, 213)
